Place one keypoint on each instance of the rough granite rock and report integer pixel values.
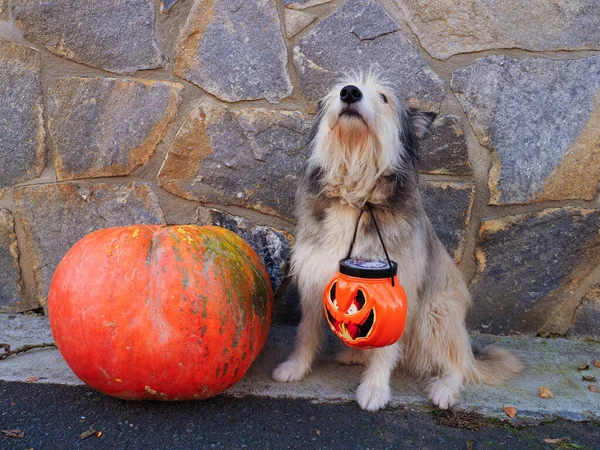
(56, 216)
(250, 157)
(587, 316)
(10, 272)
(445, 28)
(359, 36)
(303, 4)
(528, 264)
(114, 35)
(444, 150)
(105, 127)
(166, 5)
(541, 117)
(296, 21)
(2, 6)
(234, 49)
(22, 147)
(448, 206)
(272, 245)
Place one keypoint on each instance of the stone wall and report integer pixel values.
(180, 111)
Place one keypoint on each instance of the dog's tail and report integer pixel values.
(494, 365)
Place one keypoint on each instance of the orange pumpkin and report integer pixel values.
(164, 313)
(363, 308)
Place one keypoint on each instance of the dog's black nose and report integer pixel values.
(350, 94)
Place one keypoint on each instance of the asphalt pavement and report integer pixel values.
(54, 417)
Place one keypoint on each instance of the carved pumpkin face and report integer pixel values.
(365, 312)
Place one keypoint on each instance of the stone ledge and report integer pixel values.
(551, 362)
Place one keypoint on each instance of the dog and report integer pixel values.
(364, 153)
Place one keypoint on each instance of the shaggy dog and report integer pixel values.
(364, 152)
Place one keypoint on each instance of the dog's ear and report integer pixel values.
(421, 121)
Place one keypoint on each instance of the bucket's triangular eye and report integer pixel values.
(360, 300)
(358, 303)
(332, 291)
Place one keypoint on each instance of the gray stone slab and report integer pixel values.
(587, 316)
(528, 264)
(448, 206)
(250, 157)
(361, 36)
(444, 150)
(536, 25)
(551, 362)
(234, 49)
(541, 117)
(22, 147)
(114, 35)
(10, 272)
(56, 216)
(105, 127)
(272, 245)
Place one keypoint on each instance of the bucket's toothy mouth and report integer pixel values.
(353, 331)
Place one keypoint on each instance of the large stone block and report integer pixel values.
(10, 272)
(360, 36)
(444, 150)
(251, 157)
(22, 148)
(114, 35)
(234, 49)
(448, 206)
(541, 117)
(527, 264)
(56, 216)
(272, 245)
(105, 127)
(446, 28)
(587, 317)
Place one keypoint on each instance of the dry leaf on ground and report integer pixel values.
(87, 434)
(546, 393)
(597, 363)
(583, 367)
(510, 411)
(588, 378)
(13, 433)
(553, 441)
(594, 389)
(32, 379)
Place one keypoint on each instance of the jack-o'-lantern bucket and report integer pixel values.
(365, 303)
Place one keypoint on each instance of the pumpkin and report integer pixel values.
(362, 305)
(158, 312)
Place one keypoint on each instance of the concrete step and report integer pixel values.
(551, 362)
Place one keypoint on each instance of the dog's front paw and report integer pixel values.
(291, 370)
(442, 394)
(371, 398)
(351, 357)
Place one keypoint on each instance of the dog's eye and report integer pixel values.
(384, 98)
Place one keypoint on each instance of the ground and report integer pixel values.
(54, 416)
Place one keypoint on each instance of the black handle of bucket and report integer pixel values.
(369, 208)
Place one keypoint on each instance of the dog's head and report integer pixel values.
(362, 114)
